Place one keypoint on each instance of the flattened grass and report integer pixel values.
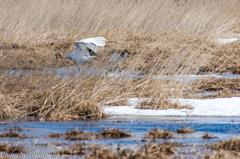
(159, 134)
(10, 148)
(231, 144)
(151, 150)
(185, 130)
(156, 104)
(208, 136)
(115, 133)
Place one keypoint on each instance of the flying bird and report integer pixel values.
(82, 54)
(115, 60)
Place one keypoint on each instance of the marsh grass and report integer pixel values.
(185, 130)
(154, 151)
(208, 136)
(11, 134)
(99, 151)
(115, 133)
(164, 38)
(111, 133)
(76, 149)
(222, 155)
(221, 87)
(231, 144)
(14, 129)
(80, 135)
(159, 134)
(156, 104)
(55, 135)
(10, 148)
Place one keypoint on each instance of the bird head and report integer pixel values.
(125, 53)
(58, 54)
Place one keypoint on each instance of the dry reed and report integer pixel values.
(231, 144)
(185, 130)
(155, 151)
(159, 134)
(10, 148)
(208, 136)
(163, 37)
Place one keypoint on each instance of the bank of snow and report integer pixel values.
(201, 107)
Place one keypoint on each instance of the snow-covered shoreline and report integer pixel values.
(201, 107)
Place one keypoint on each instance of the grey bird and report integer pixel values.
(82, 54)
(115, 60)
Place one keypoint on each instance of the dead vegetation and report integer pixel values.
(185, 130)
(11, 134)
(115, 133)
(14, 129)
(156, 104)
(209, 136)
(155, 151)
(111, 133)
(80, 135)
(76, 149)
(231, 144)
(220, 87)
(55, 135)
(158, 134)
(160, 43)
(10, 148)
(222, 154)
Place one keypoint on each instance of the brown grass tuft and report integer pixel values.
(208, 136)
(9, 148)
(76, 149)
(223, 88)
(105, 134)
(185, 130)
(155, 151)
(115, 133)
(231, 144)
(159, 134)
(11, 134)
(222, 155)
(55, 135)
(14, 129)
(156, 104)
(80, 135)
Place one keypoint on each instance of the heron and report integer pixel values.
(115, 60)
(82, 54)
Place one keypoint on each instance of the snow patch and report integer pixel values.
(201, 107)
(227, 41)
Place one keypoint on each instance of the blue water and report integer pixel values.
(65, 72)
(36, 132)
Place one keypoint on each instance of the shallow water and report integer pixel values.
(65, 72)
(36, 132)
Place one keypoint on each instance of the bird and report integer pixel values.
(82, 54)
(115, 60)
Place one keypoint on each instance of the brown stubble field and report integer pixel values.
(163, 38)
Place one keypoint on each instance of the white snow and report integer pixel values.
(226, 41)
(201, 107)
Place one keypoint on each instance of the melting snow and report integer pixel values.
(226, 41)
(201, 107)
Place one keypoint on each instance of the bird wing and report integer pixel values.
(84, 60)
(82, 48)
(99, 41)
(92, 43)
